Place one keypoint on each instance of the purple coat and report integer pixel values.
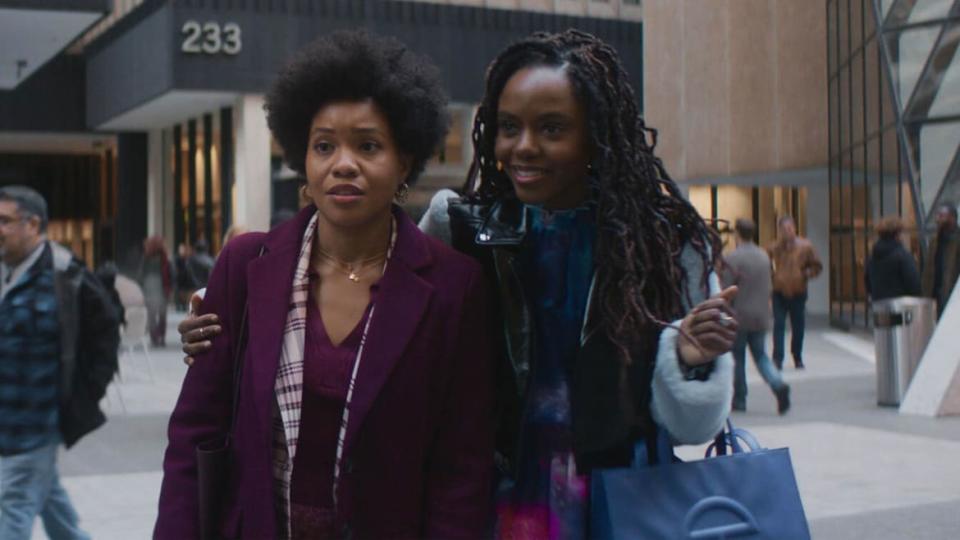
(418, 456)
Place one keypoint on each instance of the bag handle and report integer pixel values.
(653, 450)
(746, 526)
(238, 364)
(731, 437)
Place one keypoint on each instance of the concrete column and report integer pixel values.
(818, 232)
(168, 189)
(251, 192)
(156, 215)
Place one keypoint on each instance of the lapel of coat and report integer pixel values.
(400, 305)
(270, 282)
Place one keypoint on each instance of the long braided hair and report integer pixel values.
(644, 221)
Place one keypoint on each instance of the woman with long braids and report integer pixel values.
(613, 325)
(604, 277)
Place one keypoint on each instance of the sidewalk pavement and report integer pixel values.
(863, 471)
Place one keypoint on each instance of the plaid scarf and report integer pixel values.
(289, 383)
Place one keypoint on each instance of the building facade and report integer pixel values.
(149, 119)
(894, 130)
(737, 91)
(175, 90)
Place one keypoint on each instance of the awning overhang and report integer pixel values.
(34, 31)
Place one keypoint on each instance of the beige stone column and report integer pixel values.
(251, 189)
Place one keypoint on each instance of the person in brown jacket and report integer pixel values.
(943, 258)
(794, 261)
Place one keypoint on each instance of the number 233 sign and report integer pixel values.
(211, 38)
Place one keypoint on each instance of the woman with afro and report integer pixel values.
(364, 403)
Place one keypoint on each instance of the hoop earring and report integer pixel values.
(402, 193)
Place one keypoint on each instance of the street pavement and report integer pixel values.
(864, 471)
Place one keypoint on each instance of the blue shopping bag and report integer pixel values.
(751, 495)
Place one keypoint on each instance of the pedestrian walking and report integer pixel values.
(794, 261)
(200, 264)
(365, 398)
(182, 278)
(58, 352)
(942, 266)
(891, 270)
(748, 267)
(156, 281)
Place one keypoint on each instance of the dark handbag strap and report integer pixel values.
(238, 363)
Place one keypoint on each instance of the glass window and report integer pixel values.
(452, 151)
(889, 155)
(908, 216)
(909, 51)
(861, 247)
(859, 188)
(856, 24)
(700, 198)
(843, 16)
(857, 100)
(938, 148)
(845, 108)
(883, 194)
(834, 119)
(885, 6)
(832, 39)
(844, 275)
(871, 87)
(733, 202)
(928, 10)
(836, 179)
(887, 102)
(943, 86)
(869, 19)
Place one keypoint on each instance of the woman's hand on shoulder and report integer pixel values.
(708, 330)
(196, 331)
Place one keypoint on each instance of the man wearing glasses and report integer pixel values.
(58, 352)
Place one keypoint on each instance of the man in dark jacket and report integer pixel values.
(891, 271)
(200, 264)
(58, 352)
(942, 266)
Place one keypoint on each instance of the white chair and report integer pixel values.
(134, 334)
(116, 389)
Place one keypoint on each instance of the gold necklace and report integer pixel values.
(352, 270)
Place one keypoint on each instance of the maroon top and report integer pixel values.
(326, 379)
(423, 390)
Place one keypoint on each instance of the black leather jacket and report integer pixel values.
(89, 339)
(608, 416)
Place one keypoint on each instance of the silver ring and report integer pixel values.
(725, 319)
(201, 331)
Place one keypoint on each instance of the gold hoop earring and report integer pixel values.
(402, 193)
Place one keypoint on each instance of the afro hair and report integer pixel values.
(355, 65)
